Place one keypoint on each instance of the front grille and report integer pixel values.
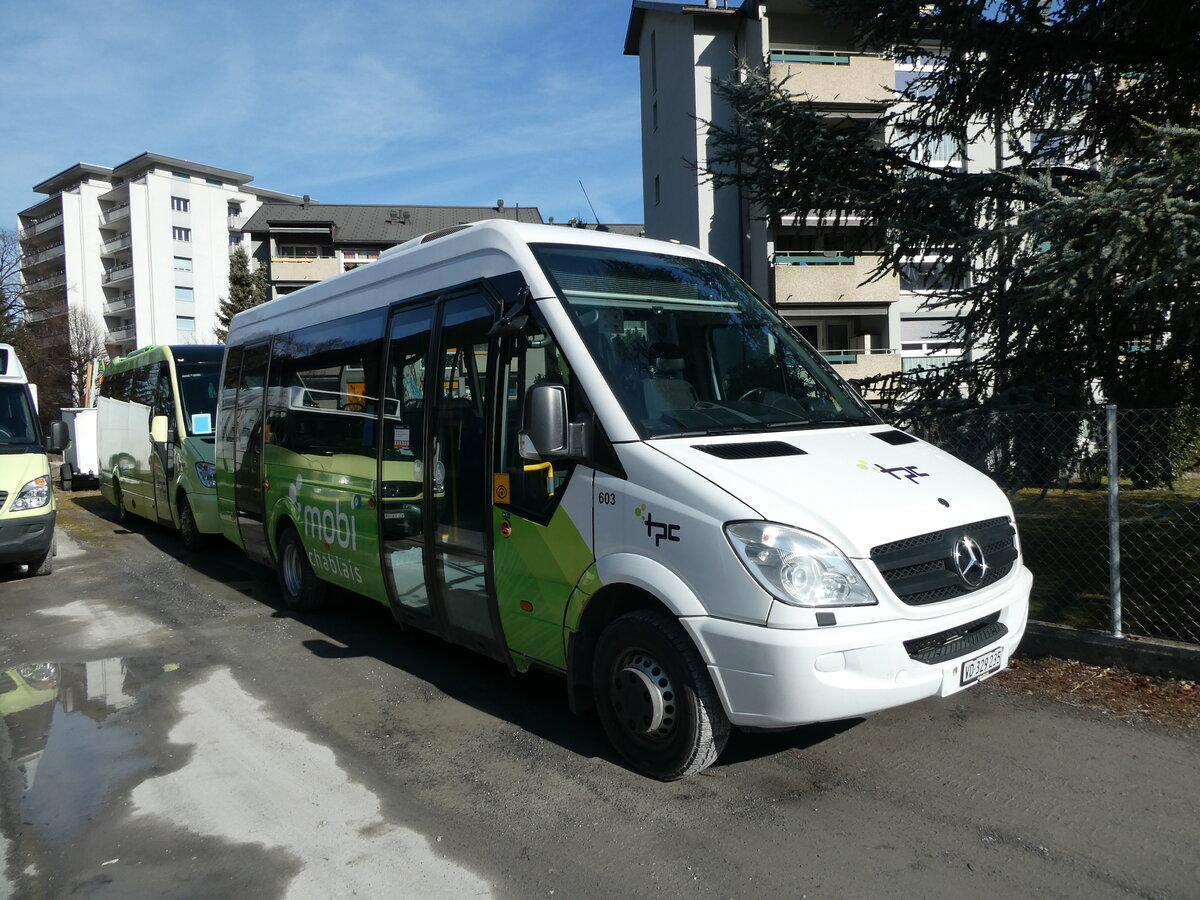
(3, 497)
(8, 684)
(920, 570)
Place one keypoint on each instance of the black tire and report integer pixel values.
(301, 589)
(66, 476)
(655, 698)
(193, 538)
(44, 565)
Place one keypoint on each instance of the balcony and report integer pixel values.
(294, 268)
(831, 278)
(123, 335)
(58, 279)
(115, 214)
(237, 223)
(45, 254)
(120, 242)
(123, 302)
(118, 275)
(834, 77)
(41, 226)
(851, 364)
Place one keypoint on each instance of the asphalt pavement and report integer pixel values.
(178, 734)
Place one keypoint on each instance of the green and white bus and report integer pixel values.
(606, 457)
(155, 421)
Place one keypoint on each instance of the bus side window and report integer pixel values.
(534, 493)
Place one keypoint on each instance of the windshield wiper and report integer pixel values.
(814, 423)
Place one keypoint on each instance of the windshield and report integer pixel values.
(17, 426)
(689, 349)
(198, 395)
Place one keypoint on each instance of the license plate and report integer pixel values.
(981, 666)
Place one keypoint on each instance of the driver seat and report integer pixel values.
(665, 389)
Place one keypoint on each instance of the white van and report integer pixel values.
(27, 509)
(605, 456)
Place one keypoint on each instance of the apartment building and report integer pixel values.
(142, 248)
(304, 243)
(815, 273)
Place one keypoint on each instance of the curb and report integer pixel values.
(1164, 659)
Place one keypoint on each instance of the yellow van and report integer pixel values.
(26, 495)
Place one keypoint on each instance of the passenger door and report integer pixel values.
(162, 454)
(436, 500)
(251, 379)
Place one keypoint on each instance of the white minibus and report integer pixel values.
(605, 456)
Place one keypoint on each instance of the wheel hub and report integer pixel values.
(643, 697)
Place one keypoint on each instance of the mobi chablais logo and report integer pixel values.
(329, 525)
(660, 531)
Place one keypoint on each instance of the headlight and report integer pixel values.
(207, 473)
(797, 567)
(35, 493)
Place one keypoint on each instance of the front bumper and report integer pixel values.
(24, 539)
(780, 678)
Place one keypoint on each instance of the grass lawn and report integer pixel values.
(1064, 536)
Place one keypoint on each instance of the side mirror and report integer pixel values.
(547, 432)
(544, 418)
(60, 437)
(158, 429)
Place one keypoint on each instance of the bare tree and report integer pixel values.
(85, 345)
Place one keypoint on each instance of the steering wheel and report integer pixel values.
(4, 432)
(755, 395)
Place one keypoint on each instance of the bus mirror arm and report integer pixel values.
(60, 437)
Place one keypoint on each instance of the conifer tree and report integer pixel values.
(246, 290)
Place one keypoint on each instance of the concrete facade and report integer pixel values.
(806, 268)
(142, 248)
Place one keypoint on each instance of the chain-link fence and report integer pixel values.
(1107, 503)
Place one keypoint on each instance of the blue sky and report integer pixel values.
(457, 102)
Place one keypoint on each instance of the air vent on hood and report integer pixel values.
(895, 438)
(755, 450)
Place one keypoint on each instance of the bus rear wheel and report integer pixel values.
(301, 588)
(654, 696)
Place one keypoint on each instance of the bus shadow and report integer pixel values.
(535, 701)
(354, 626)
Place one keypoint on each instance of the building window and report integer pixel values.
(185, 323)
(183, 264)
(215, 182)
(304, 251)
(653, 64)
(654, 116)
(184, 294)
(235, 239)
(657, 192)
(181, 204)
(184, 175)
(181, 234)
(233, 210)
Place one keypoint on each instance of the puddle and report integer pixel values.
(62, 748)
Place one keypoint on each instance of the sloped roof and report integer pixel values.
(351, 224)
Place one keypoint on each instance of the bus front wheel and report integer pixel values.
(193, 538)
(655, 698)
(301, 588)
